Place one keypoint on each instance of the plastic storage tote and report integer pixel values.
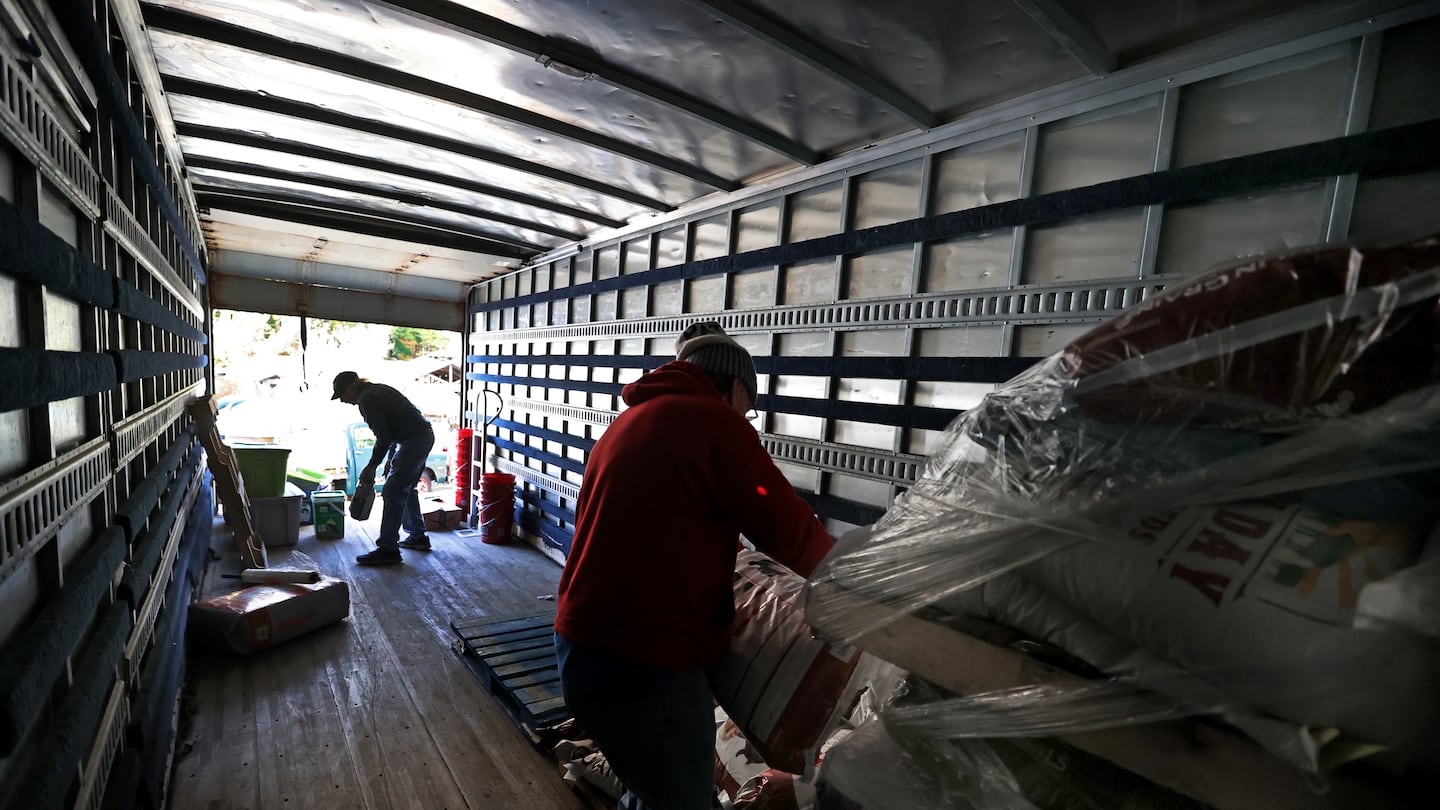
(277, 519)
(263, 469)
(307, 480)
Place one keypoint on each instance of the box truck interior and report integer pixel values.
(896, 208)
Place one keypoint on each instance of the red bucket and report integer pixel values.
(497, 507)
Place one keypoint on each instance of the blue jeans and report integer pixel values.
(655, 727)
(402, 505)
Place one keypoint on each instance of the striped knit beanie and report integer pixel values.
(706, 345)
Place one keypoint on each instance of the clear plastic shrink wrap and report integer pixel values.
(897, 761)
(877, 769)
(871, 770)
(1194, 498)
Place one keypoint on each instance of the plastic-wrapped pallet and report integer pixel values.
(1197, 496)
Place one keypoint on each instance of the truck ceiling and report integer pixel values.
(376, 157)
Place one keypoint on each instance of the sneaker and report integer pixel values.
(416, 542)
(380, 556)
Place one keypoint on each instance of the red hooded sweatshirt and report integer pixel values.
(668, 489)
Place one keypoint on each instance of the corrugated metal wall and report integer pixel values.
(869, 341)
(103, 499)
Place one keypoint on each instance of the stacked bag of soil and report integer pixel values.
(1226, 498)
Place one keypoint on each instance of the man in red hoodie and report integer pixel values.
(645, 604)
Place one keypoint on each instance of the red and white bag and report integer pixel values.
(736, 761)
(782, 686)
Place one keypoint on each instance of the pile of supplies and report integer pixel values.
(1222, 502)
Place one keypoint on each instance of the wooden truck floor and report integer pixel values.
(377, 712)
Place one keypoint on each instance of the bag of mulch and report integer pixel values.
(261, 616)
(736, 760)
(783, 687)
(1259, 600)
(1212, 479)
(1269, 344)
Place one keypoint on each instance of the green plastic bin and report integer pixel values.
(262, 466)
(329, 514)
(307, 480)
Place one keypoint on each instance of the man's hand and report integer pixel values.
(367, 475)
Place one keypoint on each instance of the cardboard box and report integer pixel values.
(262, 616)
(444, 520)
(441, 516)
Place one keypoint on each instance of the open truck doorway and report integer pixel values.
(273, 378)
(360, 442)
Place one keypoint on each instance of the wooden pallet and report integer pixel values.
(514, 660)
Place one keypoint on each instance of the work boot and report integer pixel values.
(380, 556)
(416, 542)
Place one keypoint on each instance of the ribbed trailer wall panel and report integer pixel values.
(996, 239)
(102, 340)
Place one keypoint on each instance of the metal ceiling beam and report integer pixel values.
(410, 283)
(393, 217)
(297, 148)
(353, 220)
(782, 36)
(194, 25)
(313, 113)
(287, 298)
(409, 198)
(144, 69)
(1072, 34)
(543, 49)
(388, 216)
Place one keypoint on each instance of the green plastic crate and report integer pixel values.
(263, 468)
